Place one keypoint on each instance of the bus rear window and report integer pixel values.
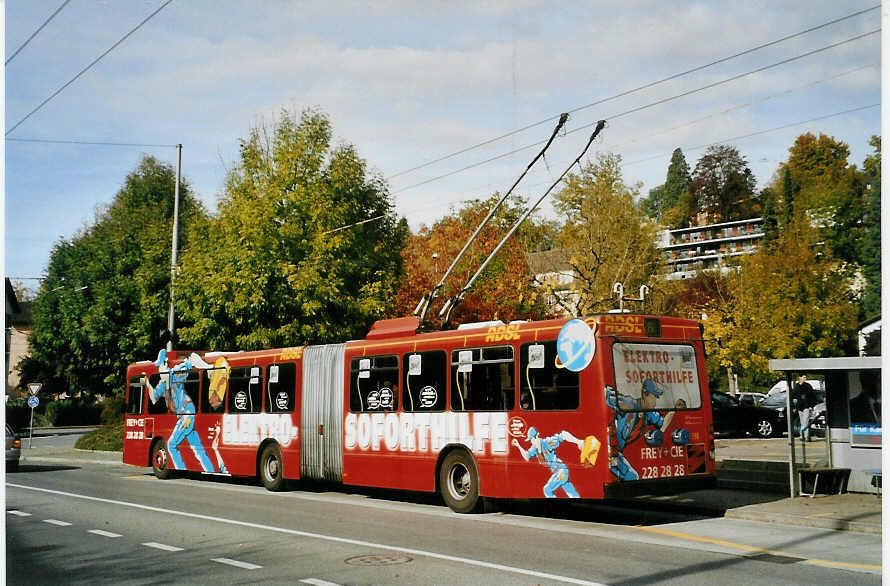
(650, 377)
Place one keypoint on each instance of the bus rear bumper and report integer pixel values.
(659, 486)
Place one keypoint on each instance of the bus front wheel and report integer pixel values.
(159, 459)
(271, 469)
(459, 482)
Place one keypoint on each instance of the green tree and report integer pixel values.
(103, 302)
(723, 186)
(787, 197)
(871, 244)
(669, 203)
(606, 237)
(274, 268)
(769, 216)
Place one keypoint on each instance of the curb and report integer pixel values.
(817, 523)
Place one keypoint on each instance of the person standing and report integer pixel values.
(804, 398)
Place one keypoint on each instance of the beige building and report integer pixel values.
(18, 329)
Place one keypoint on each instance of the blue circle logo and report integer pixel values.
(575, 345)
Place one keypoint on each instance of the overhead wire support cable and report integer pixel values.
(88, 67)
(636, 89)
(452, 302)
(425, 301)
(88, 142)
(34, 34)
(759, 132)
(646, 106)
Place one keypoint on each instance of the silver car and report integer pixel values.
(13, 449)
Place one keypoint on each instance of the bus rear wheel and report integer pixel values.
(459, 482)
(271, 468)
(159, 459)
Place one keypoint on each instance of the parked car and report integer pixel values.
(750, 398)
(13, 449)
(777, 401)
(733, 417)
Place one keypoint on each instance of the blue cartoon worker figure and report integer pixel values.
(174, 392)
(544, 449)
(636, 418)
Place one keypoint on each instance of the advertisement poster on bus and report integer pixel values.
(652, 383)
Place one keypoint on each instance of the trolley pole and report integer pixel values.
(171, 316)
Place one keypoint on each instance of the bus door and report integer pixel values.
(138, 428)
(321, 413)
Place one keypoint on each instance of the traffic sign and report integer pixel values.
(34, 388)
(33, 402)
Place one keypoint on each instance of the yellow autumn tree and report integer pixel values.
(795, 300)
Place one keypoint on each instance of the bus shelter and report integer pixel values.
(848, 457)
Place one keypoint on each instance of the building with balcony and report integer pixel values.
(701, 248)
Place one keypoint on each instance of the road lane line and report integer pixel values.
(842, 565)
(344, 540)
(162, 546)
(317, 582)
(57, 522)
(18, 513)
(236, 563)
(103, 533)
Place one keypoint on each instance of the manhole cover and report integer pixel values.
(378, 560)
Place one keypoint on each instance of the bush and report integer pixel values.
(108, 438)
(51, 413)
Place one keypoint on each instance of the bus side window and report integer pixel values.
(548, 388)
(425, 385)
(482, 379)
(208, 404)
(281, 388)
(135, 395)
(374, 383)
(245, 390)
(192, 385)
(159, 406)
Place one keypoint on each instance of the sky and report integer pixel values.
(409, 83)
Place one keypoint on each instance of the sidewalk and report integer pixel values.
(843, 512)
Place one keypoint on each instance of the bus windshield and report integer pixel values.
(655, 377)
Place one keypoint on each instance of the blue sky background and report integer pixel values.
(408, 82)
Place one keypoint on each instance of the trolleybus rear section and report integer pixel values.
(590, 408)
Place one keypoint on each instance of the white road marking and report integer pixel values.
(162, 546)
(57, 522)
(236, 563)
(348, 541)
(317, 582)
(103, 533)
(19, 513)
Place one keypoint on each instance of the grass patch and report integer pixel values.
(108, 438)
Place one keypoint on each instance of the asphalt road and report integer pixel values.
(104, 524)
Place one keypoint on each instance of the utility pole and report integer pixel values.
(171, 316)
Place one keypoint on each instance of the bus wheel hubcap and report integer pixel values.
(459, 484)
(272, 467)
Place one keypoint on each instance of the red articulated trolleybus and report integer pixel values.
(597, 407)
(592, 408)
